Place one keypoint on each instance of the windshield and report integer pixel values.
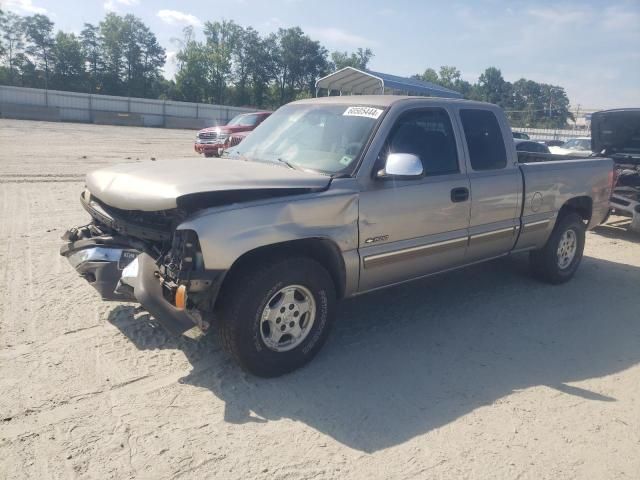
(323, 138)
(243, 121)
(578, 144)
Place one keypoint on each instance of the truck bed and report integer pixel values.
(533, 157)
(549, 184)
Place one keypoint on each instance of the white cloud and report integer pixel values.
(23, 6)
(558, 44)
(338, 38)
(273, 23)
(171, 65)
(620, 19)
(387, 12)
(113, 5)
(174, 17)
(561, 15)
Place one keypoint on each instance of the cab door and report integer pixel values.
(496, 184)
(410, 228)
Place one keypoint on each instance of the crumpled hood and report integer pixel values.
(616, 131)
(152, 186)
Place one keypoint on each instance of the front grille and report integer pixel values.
(208, 135)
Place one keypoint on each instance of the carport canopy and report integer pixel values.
(351, 81)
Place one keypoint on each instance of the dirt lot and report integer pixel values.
(481, 373)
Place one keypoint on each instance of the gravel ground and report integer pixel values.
(480, 373)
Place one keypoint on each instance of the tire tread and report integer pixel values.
(238, 292)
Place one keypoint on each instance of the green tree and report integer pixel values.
(131, 55)
(92, 51)
(263, 68)
(191, 83)
(525, 103)
(429, 75)
(300, 61)
(492, 87)
(359, 59)
(39, 33)
(449, 76)
(221, 39)
(112, 51)
(233, 64)
(12, 35)
(68, 63)
(26, 73)
(3, 22)
(534, 104)
(246, 45)
(556, 107)
(152, 59)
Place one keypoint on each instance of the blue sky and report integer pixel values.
(591, 48)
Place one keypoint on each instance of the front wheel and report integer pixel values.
(276, 318)
(559, 259)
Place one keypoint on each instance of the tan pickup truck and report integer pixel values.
(329, 198)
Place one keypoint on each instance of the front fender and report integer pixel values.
(226, 234)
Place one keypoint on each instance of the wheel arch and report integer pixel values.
(582, 205)
(323, 250)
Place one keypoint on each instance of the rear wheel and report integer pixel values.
(559, 259)
(275, 319)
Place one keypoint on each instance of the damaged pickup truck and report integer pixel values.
(329, 198)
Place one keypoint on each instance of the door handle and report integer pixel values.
(460, 194)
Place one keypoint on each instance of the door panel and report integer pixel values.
(411, 228)
(496, 184)
(495, 220)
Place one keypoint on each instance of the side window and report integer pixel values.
(484, 139)
(429, 135)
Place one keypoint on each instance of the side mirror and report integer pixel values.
(401, 166)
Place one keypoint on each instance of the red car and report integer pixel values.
(235, 139)
(210, 141)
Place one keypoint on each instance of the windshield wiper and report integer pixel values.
(288, 164)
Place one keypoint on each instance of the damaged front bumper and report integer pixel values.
(100, 261)
(121, 272)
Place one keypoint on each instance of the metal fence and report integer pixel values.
(553, 134)
(38, 104)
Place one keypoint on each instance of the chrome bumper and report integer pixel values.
(102, 268)
(123, 274)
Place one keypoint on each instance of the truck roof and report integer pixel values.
(383, 100)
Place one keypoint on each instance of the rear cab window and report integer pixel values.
(485, 141)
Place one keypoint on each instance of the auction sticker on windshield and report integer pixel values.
(368, 112)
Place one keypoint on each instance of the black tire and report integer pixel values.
(545, 264)
(244, 299)
(209, 154)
